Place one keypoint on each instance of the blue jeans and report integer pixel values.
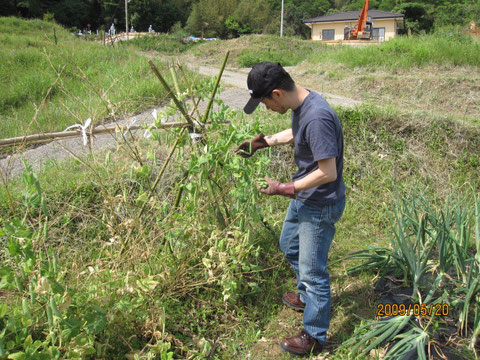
(306, 236)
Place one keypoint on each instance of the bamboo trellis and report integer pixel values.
(47, 137)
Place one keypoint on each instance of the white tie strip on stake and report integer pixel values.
(195, 137)
(83, 129)
(148, 134)
(130, 124)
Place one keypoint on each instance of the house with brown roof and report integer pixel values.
(332, 28)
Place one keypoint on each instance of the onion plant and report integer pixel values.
(424, 239)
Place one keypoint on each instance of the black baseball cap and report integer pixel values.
(262, 80)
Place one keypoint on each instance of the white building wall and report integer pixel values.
(390, 26)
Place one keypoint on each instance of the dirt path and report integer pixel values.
(238, 78)
(234, 94)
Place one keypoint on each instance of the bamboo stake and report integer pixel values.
(214, 91)
(190, 91)
(164, 167)
(172, 95)
(216, 210)
(175, 81)
(10, 200)
(159, 176)
(69, 134)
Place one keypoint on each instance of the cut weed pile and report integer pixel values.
(47, 87)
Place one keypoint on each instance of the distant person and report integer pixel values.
(317, 192)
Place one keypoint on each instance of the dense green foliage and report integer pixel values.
(162, 15)
(228, 18)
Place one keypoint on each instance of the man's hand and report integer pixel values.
(278, 188)
(248, 147)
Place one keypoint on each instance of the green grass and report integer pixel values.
(248, 50)
(384, 153)
(170, 44)
(169, 286)
(444, 48)
(80, 78)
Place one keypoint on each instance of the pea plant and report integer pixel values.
(211, 205)
(214, 177)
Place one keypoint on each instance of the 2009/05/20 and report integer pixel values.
(417, 309)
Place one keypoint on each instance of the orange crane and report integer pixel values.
(363, 29)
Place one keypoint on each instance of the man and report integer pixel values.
(317, 192)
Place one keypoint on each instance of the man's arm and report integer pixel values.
(282, 138)
(326, 172)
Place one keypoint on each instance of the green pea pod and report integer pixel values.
(26, 308)
(32, 294)
(49, 316)
(45, 231)
(22, 273)
(55, 266)
(18, 283)
(230, 138)
(262, 183)
(53, 305)
(2, 348)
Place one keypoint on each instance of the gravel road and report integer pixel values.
(234, 94)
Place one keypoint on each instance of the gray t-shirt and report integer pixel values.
(317, 135)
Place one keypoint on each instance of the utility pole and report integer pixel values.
(126, 17)
(281, 22)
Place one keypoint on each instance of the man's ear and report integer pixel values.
(277, 93)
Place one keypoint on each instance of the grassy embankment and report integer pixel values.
(78, 79)
(174, 277)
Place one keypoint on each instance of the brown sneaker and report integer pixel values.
(302, 344)
(292, 300)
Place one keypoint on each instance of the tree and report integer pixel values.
(418, 16)
(208, 17)
(8, 7)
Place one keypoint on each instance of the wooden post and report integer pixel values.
(55, 36)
